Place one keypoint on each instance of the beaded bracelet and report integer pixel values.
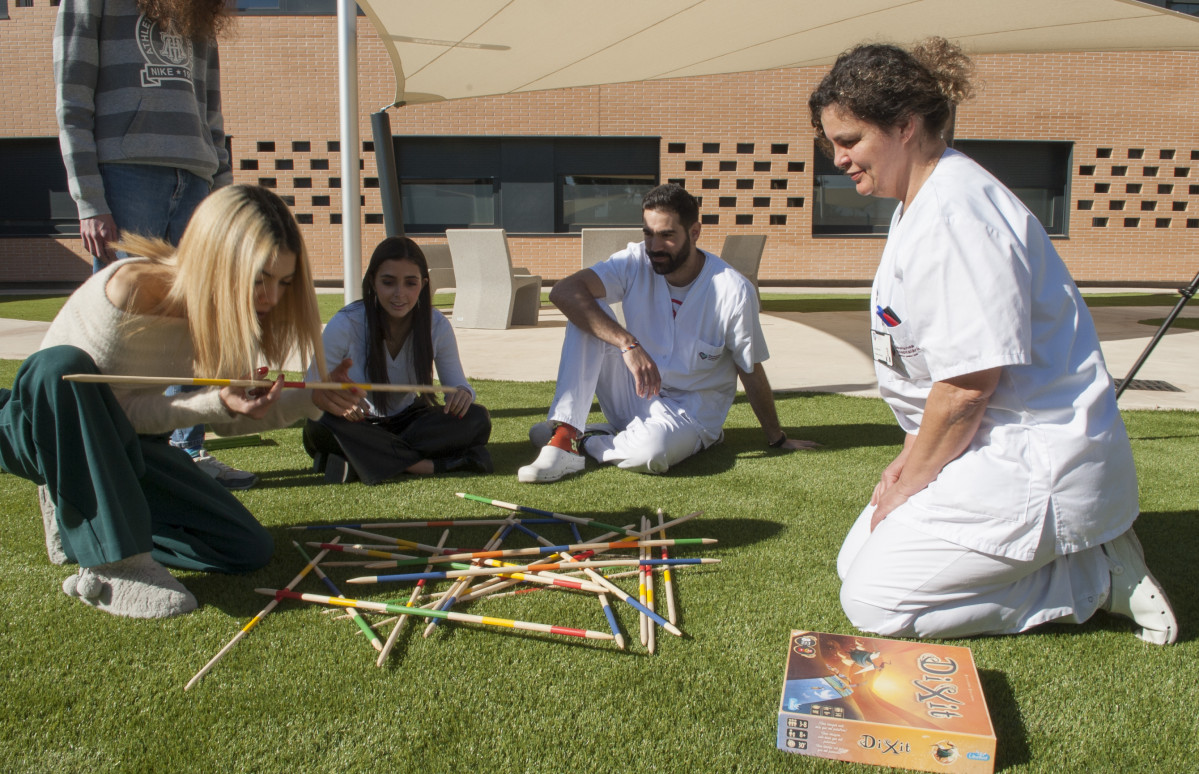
(782, 439)
(631, 347)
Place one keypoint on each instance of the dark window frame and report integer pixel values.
(35, 200)
(1043, 186)
(286, 8)
(532, 175)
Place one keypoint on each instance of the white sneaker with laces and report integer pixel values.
(228, 477)
(1136, 594)
(551, 464)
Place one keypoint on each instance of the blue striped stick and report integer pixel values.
(440, 523)
(395, 633)
(499, 568)
(371, 636)
(605, 605)
(463, 584)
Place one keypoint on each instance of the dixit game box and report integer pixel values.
(913, 705)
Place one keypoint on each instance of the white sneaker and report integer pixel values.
(228, 477)
(1136, 594)
(551, 464)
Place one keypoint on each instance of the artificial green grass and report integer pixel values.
(38, 308)
(85, 691)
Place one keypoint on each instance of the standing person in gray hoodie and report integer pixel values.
(141, 131)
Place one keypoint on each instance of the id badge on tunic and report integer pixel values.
(881, 342)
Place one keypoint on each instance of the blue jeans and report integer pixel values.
(157, 202)
(150, 200)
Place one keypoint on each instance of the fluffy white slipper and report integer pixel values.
(133, 587)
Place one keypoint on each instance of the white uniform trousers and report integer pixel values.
(897, 581)
(654, 433)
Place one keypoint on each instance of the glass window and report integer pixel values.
(1037, 173)
(603, 200)
(837, 208)
(286, 7)
(526, 185)
(34, 198)
(1176, 5)
(434, 205)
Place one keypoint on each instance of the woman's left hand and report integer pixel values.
(889, 500)
(253, 403)
(346, 404)
(457, 403)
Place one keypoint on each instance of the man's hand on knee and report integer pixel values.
(645, 372)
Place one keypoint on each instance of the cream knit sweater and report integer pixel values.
(145, 345)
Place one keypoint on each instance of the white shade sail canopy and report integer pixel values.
(453, 49)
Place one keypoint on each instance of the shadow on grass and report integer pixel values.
(749, 441)
(534, 413)
(1006, 719)
(1173, 568)
(288, 478)
(1161, 437)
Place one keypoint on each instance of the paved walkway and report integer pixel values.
(820, 351)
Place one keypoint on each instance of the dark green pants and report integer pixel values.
(118, 493)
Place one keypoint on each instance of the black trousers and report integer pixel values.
(380, 448)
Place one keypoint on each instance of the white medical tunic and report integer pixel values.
(971, 282)
(697, 352)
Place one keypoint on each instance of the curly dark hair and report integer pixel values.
(885, 84)
(193, 19)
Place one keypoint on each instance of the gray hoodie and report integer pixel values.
(127, 93)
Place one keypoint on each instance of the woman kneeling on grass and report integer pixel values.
(1012, 502)
(394, 335)
(116, 497)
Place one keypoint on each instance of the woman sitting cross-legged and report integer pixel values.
(394, 335)
(116, 497)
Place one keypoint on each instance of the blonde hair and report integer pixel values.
(231, 238)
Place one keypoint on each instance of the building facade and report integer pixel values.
(1103, 146)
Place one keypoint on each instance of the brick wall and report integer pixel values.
(741, 137)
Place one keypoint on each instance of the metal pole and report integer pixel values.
(389, 173)
(351, 202)
(1187, 293)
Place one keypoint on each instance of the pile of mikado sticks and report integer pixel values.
(494, 571)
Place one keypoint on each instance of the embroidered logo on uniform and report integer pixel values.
(706, 356)
(168, 57)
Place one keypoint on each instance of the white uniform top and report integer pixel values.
(698, 351)
(345, 336)
(975, 283)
